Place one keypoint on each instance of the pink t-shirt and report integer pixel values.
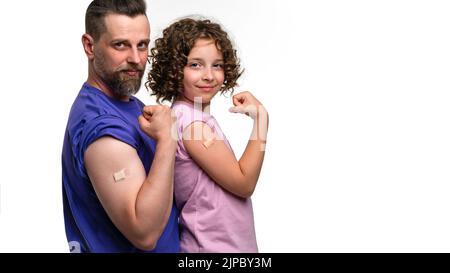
(211, 218)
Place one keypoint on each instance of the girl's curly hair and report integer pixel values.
(169, 57)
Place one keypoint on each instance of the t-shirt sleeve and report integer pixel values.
(100, 126)
(185, 117)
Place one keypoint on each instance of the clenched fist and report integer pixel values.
(246, 103)
(158, 122)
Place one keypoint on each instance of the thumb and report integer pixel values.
(143, 122)
(249, 110)
(238, 109)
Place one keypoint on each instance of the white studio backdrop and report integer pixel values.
(358, 93)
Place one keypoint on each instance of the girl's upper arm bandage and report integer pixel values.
(207, 143)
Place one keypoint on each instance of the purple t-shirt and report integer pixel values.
(88, 227)
(211, 218)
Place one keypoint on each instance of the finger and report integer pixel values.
(238, 99)
(143, 122)
(146, 116)
(235, 100)
(149, 109)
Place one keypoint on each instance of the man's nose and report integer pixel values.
(134, 56)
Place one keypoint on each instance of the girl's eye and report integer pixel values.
(194, 65)
(220, 65)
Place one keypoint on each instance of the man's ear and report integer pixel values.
(88, 45)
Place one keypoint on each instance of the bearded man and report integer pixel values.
(118, 155)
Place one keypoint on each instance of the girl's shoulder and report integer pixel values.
(187, 114)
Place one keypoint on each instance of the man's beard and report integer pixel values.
(119, 82)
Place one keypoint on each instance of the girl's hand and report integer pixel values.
(246, 103)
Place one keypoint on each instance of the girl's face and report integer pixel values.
(203, 74)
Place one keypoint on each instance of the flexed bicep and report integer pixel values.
(214, 157)
(116, 174)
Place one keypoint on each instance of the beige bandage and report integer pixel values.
(119, 176)
(209, 142)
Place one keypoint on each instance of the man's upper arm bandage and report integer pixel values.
(119, 176)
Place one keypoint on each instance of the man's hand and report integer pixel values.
(158, 122)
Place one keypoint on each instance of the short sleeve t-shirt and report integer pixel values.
(211, 218)
(95, 115)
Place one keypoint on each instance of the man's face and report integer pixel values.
(120, 54)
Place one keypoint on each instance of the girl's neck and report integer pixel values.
(204, 107)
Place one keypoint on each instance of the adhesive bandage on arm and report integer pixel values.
(119, 176)
(207, 143)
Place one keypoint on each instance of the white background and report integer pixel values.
(358, 93)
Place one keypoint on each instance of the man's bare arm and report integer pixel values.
(139, 204)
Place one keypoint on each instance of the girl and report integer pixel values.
(191, 63)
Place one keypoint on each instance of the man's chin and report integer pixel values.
(127, 89)
(129, 92)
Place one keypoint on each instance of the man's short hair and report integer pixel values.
(98, 9)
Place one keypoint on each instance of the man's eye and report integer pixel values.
(142, 46)
(119, 45)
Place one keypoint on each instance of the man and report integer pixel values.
(117, 183)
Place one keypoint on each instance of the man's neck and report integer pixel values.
(100, 85)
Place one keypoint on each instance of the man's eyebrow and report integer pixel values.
(120, 40)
